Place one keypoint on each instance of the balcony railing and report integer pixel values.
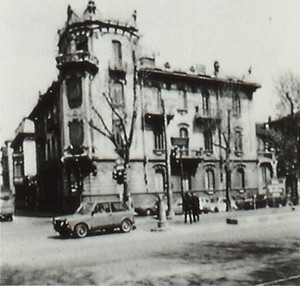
(188, 154)
(78, 59)
(266, 154)
(206, 118)
(117, 70)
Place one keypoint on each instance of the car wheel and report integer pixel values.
(148, 212)
(216, 210)
(126, 225)
(81, 230)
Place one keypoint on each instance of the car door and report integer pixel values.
(101, 216)
(119, 212)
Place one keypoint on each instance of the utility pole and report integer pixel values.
(227, 162)
(167, 161)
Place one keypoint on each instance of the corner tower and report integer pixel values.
(96, 58)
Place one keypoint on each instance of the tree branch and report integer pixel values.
(102, 121)
(110, 137)
(109, 102)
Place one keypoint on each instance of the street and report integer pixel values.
(263, 247)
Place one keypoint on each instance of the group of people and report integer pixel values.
(191, 207)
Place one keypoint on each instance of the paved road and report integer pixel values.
(263, 247)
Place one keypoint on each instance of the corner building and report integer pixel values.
(184, 120)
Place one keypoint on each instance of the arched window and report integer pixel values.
(210, 179)
(241, 178)
(184, 133)
(117, 50)
(208, 143)
(74, 91)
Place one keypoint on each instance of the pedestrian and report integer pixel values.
(195, 207)
(187, 204)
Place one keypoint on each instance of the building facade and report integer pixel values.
(113, 113)
(24, 166)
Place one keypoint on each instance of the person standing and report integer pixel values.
(195, 207)
(187, 203)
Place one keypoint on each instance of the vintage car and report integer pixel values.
(6, 205)
(93, 216)
(217, 205)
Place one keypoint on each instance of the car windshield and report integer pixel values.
(85, 208)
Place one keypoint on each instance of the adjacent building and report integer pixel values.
(23, 172)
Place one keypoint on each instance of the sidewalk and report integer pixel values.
(242, 216)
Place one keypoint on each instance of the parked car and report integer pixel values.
(276, 201)
(248, 204)
(177, 207)
(205, 205)
(92, 216)
(6, 205)
(261, 201)
(218, 205)
(147, 210)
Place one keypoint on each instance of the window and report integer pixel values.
(118, 93)
(159, 180)
(186, 181)
(266, 175)
(236, 105)
(117, 50)
(210, 179)
(74, 91)
(117, 207)
(102, 208)
(206, 102)
(208, 143)
(158, 139)
(184, 133)
(18, 169)
(81, 43)
(241, 178)
(182, 100)
(238, 144)
(76, 135)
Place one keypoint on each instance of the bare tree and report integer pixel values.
(288, 88)
(121, 131)
(225, 136)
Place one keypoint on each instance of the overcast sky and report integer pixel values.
(263, 34)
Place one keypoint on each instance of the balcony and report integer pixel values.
(207, 119)
(81, 60)
(267, 154)
(117, 71)
(154, 113)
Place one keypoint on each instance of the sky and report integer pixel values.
(263, 34)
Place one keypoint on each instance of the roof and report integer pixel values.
(155, 72)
